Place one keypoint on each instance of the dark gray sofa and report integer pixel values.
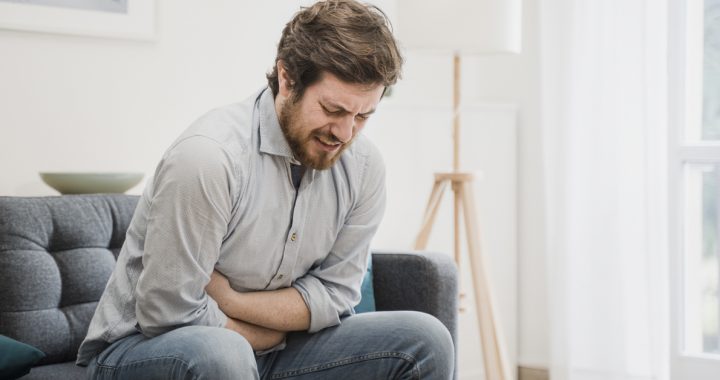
(57, 253)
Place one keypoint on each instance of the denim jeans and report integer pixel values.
(380, 345)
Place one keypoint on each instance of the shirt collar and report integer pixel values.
(272, 139)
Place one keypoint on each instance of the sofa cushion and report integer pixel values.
(64, 371)
(56, 255)
(16, 358)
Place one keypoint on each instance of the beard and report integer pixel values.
(300, 142)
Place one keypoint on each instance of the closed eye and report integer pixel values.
(342, 112)
(332, 112)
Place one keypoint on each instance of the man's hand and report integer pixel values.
(280, 310)
(219, 289)
(260, 338)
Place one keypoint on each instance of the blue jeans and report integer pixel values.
(381, 345)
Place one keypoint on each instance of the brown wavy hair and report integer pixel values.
(349, 39)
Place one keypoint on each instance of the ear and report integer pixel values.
(284, 82)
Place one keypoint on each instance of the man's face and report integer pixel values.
(324, 121)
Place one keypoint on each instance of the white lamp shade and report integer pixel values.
(463, 26)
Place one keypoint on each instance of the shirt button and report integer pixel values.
(280, 277)
(293, 237)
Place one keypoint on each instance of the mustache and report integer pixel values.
(327, 138)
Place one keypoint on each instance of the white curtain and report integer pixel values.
(605, 129)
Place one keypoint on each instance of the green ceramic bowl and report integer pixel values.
(91, 183)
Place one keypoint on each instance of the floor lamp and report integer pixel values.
(464, 27)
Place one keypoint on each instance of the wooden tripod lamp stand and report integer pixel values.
(467, 26)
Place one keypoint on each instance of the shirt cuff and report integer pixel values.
(317, 299)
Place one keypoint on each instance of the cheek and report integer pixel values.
(306, 125)
(315, 121)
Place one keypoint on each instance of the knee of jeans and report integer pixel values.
(427, 325)
(218, 353)
(434, 337)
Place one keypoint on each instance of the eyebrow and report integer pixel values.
(326, 104)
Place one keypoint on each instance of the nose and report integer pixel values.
(343, 128)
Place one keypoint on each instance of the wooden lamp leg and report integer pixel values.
(493, 351)
(430, 213)
(496, 366)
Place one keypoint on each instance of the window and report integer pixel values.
(702, 309)
(695, 185)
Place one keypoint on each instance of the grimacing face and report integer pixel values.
(322, 123)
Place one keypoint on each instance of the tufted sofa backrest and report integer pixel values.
(56, 255)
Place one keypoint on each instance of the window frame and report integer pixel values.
(685, 108)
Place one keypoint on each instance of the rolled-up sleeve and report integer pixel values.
(187, 221)
(332, 289)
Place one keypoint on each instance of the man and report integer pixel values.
(246, 252)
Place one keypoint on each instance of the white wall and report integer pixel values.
(92, 104)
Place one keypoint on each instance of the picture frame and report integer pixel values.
(134, 20)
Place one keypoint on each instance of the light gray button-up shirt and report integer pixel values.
(222, 198)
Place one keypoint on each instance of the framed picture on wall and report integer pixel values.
(131, 19)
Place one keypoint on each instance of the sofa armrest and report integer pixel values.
(421, 281)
